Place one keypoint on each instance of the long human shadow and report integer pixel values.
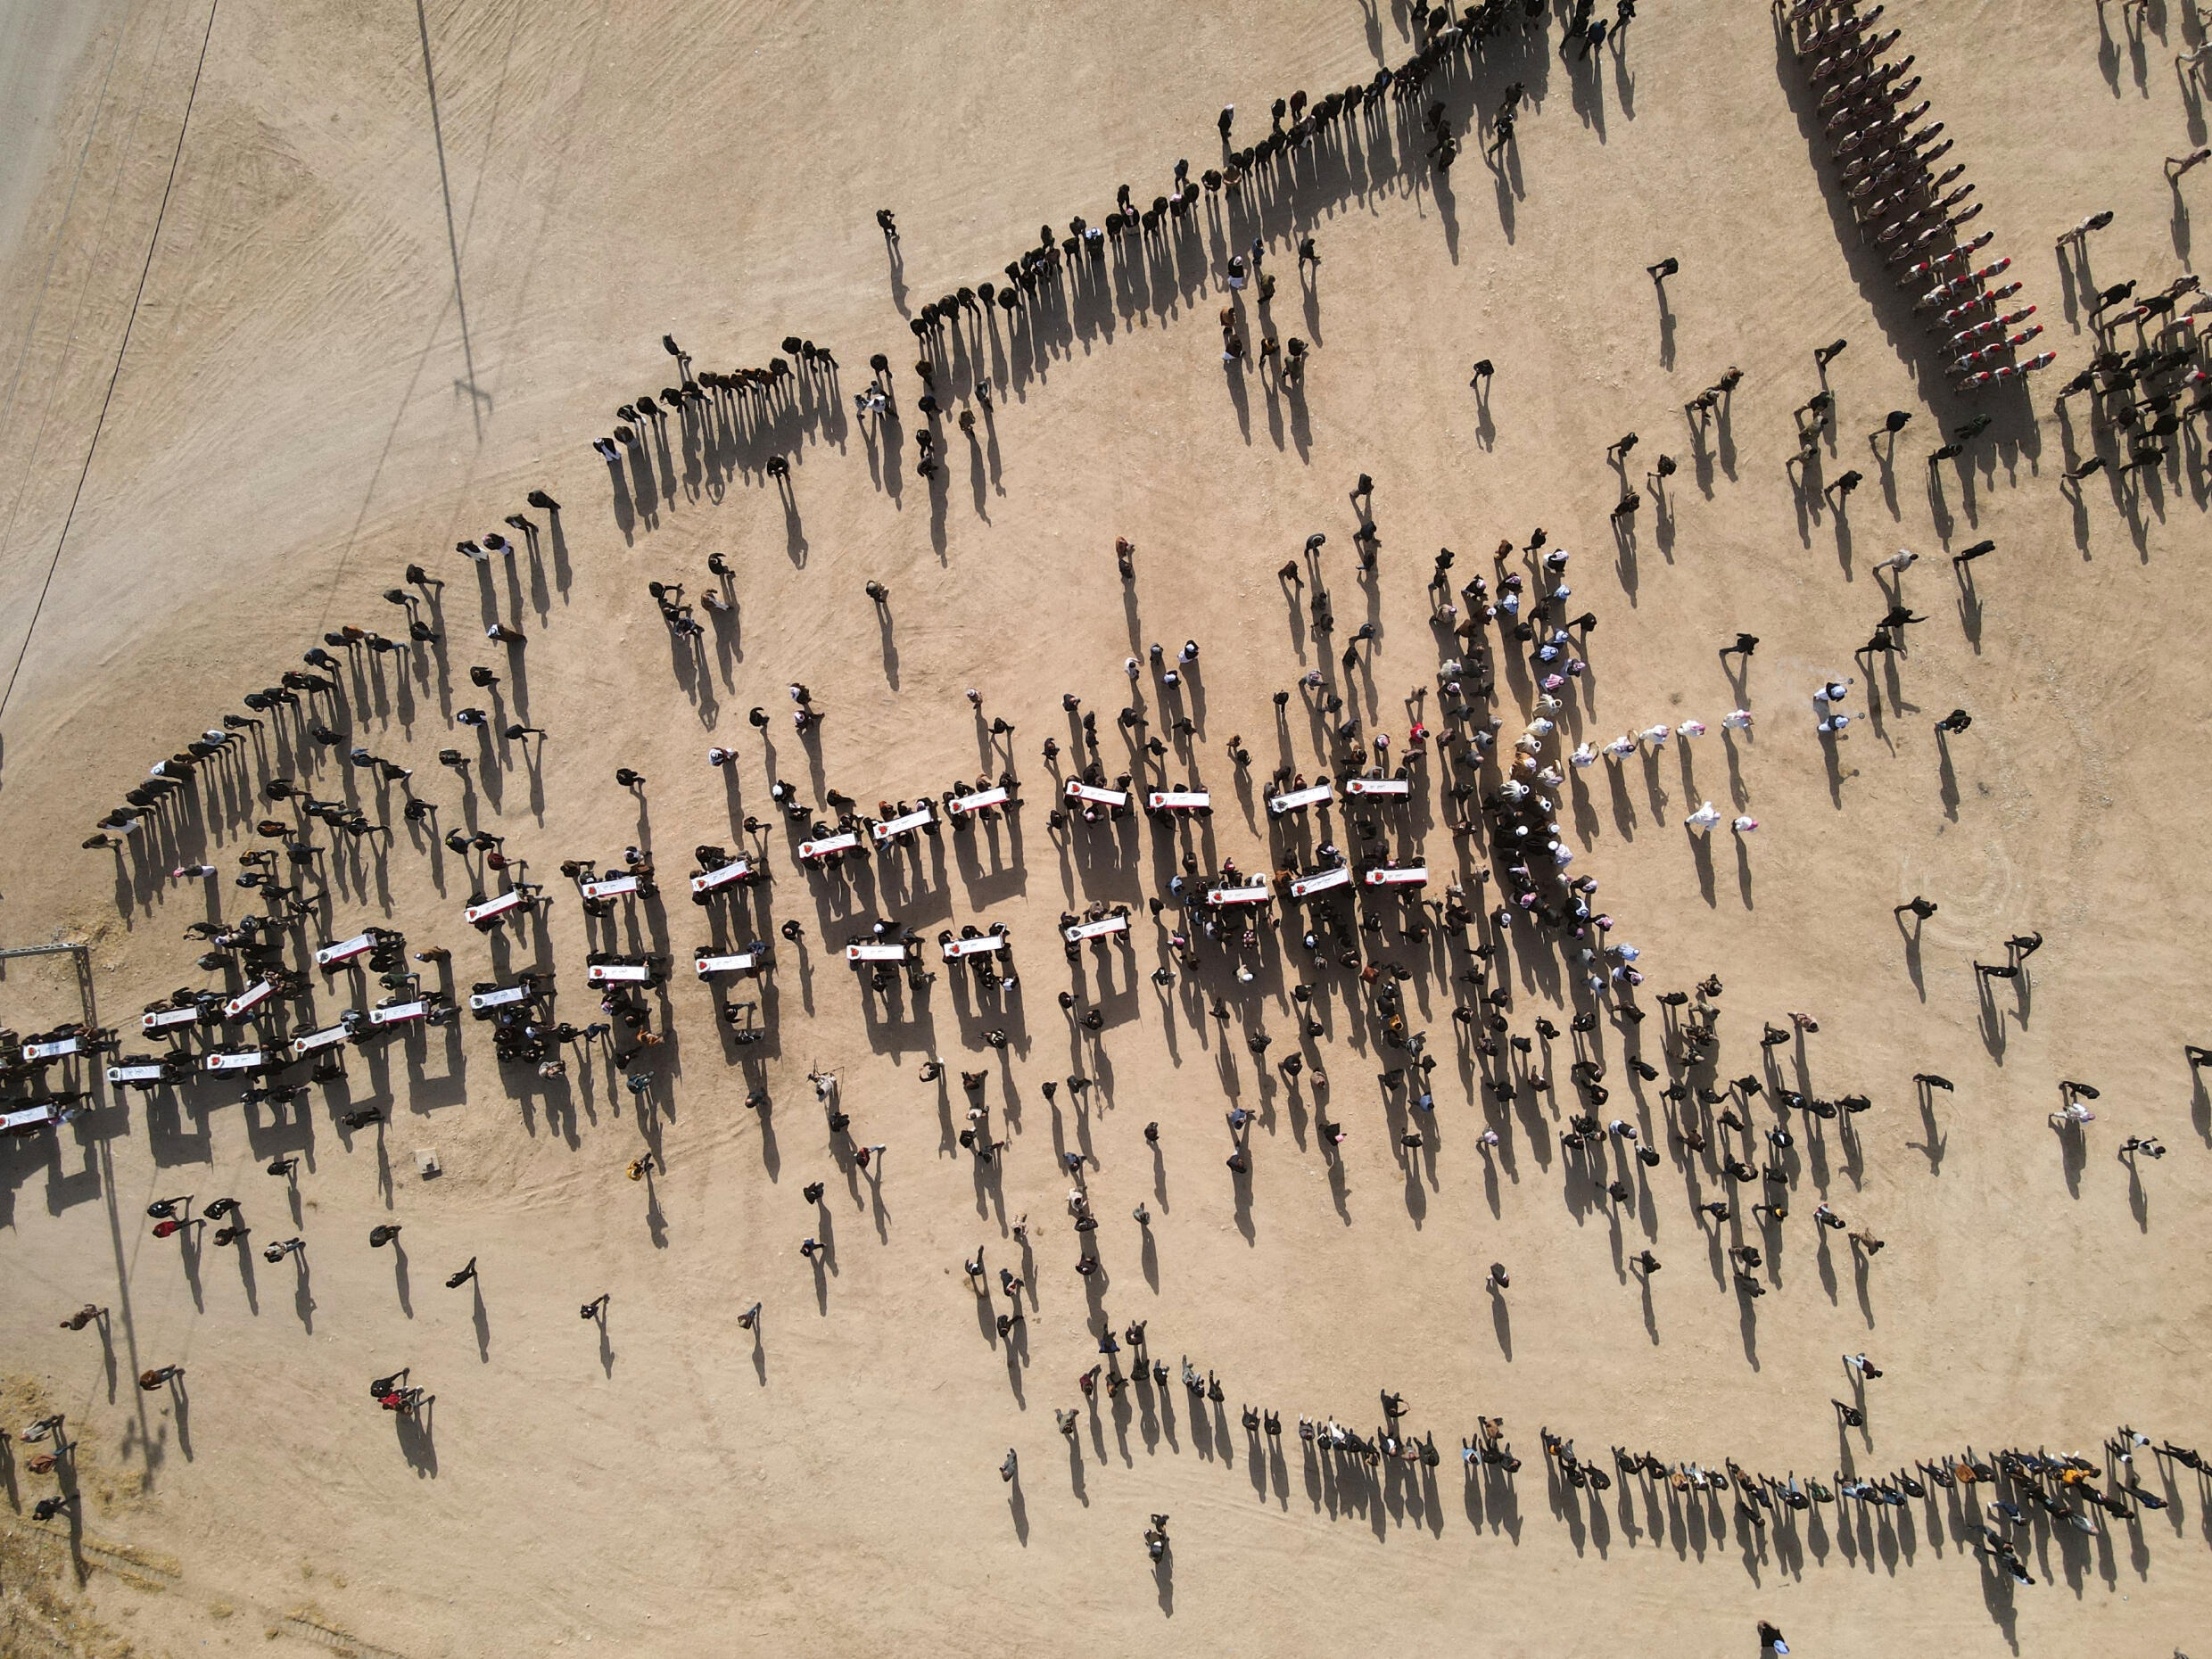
(1078, 295)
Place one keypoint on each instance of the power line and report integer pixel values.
(100, 425)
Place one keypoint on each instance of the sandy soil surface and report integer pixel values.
(407, 267)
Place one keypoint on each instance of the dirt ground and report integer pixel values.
(408, 262)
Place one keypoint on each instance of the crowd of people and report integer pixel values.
(1491, 740)
(1887, 154)
(2001, 1503)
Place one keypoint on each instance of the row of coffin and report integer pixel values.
(147, 1072)
(1159, 803)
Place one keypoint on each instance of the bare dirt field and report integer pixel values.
(404, 262)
